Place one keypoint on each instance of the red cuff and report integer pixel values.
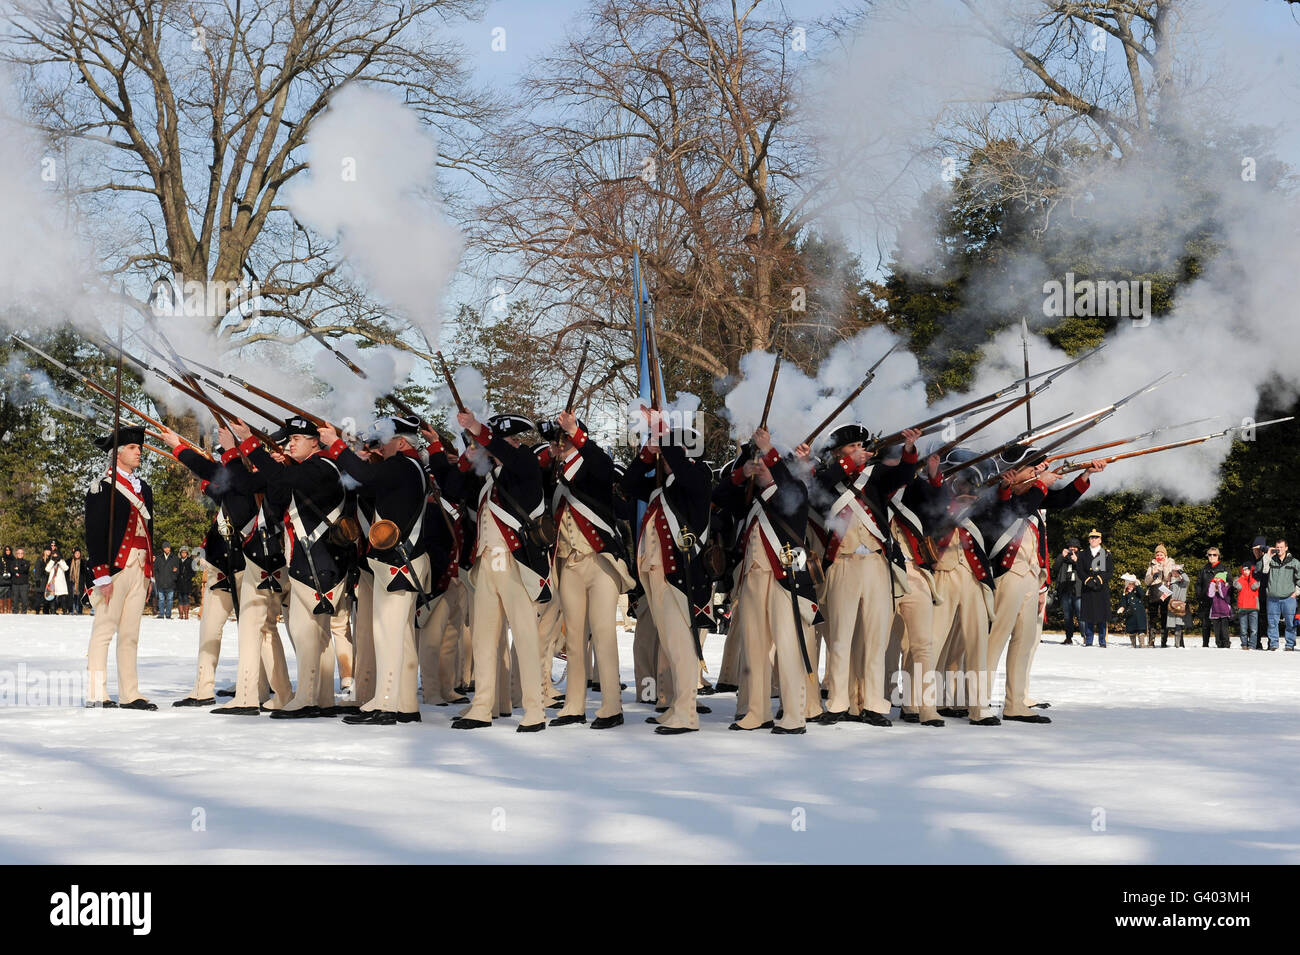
(484, 436)
(176, 451)
(738, 476)
(101, 570)
(228, 456)
(203, 486)
(646, 456)
(435, 447)
(1041, 486)
(249, 445)
(910, 457)
(544, 457)
(1004, 492)
(334, 450)
(848, 467)
(462, 464)
(937, 480)
(1081, 482)
(579, 438)
(772, 456)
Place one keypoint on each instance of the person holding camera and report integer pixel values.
(1283, 587)
(1069, 586)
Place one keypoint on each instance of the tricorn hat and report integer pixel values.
(294, 426)
(509, 425)
(127, 435)
(1017, 454)
(549, 430)
(847, 434)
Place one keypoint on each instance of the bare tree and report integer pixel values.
(670, 124)
(183, 121)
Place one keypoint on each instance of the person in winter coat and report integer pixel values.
(1096, 568)
(166, 568)
(1247, 587)
(6, 580)
(1159, 575)
(79, 581)
(185, 584)
(22, 579)
(1203, 603)
(1219, 593)
(1069, 585)
(1133, 610)
(1176, 605)
(56, 583)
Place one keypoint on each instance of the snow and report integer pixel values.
(1154, 756)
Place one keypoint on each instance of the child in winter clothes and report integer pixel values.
(1133, 610)
(1247, 587)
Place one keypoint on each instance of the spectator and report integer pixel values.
(79, 581)
(166, 569)
(1283, 585)
(185, 585)
(1257, 550)
(56, 582)
(40, 583)
(1133, 610)
(1159, 576)
(1204, 609)
(1219, 593)
(1247, 587)
(22, 579)
(1177, 603)
(6, 580)
(1094, 605)
(1069, 585)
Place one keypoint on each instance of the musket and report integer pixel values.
(1070, 468)
(217, 386)
(1131, 439)
(577, 378)
(90, 383)
(1023, 436)
(112, 470)
(1011, 406)
(767, 407)
(1090, 420)
(451, 384)
(963, 411)
(217, 411)
(1024, 345)
(871, 373)
(108, 428)
(254, 390)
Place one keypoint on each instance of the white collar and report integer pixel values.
(131, 478)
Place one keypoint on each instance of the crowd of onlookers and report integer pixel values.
(1165, 600)
(57, 583)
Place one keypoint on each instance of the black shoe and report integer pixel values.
(782, 731)
(593, 685)
(725, 688)
(652, 719)
(459, 701)
(532, 727)
(225, 692)
(780, 712)
(461, 689)
(701, 708)
(987, 721)
(661, 709)
(606, 722)
(505, 714)
(932, 723)
(101, 705)
(956, 712)
(302, 713)
(554, 704)
(192, 701)
(1042, 706)
(828, 718)
(568, 720)
(674, 730)
(874, 719)
(910, 717)
(138, 705)
(770, 724)
(238, 710)
(329, 712)
(1032, 718)
(371, 718)
(464, 723)
(1067, 643)
(707, 690)
(410, 717)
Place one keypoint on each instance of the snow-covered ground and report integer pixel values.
(1171, 756)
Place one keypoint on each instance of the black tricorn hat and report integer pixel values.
(1017, 454)
(296, 426)
(128, 435)
(509, 425)
(847, 434)
(549, 430)
(404, 427)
